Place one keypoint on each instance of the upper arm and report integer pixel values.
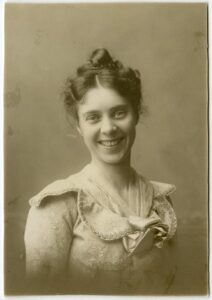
(48, 237)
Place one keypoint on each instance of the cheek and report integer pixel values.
(88, 134)
(129, 126)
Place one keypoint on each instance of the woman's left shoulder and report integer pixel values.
(162, 189)
(157, 189)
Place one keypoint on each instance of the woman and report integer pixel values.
(106, 229)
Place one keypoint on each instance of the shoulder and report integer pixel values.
(57, 190)
(55, 203)
(54, 213)
(158, 189)
(162, 189)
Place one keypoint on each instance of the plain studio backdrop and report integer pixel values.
(168, 44)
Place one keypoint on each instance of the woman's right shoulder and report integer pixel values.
(54, 211)
(57, 200)
(54, 206)
(62, 189)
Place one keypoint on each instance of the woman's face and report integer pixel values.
(107, 123)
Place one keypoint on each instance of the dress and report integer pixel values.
(80, 239)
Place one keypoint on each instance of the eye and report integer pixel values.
(92, 118)
(119, 114)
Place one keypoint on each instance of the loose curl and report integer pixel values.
(102, 69)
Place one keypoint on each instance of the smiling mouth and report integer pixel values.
(110, 143)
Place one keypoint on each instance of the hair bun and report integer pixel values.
(101, 58)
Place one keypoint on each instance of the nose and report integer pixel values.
(108, 126)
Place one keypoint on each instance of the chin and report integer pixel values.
(114, 160)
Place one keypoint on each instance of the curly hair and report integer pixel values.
(102, 69)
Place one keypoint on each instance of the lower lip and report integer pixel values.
(112, 146)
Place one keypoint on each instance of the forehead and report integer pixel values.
(101, 99)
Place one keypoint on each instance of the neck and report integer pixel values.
(117, 175)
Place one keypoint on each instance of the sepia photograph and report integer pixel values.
(106, 149)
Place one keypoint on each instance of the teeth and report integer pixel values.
(110, 143)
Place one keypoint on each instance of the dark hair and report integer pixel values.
(110, 73)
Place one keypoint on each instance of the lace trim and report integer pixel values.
(167, 215)
(117, 221)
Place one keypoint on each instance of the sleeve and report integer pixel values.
(164, 208)
(48, 238)
(174, 250)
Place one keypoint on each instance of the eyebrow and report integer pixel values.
(91, 112)
(120, 106)
(112, 109)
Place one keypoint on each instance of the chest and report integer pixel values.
(97, 264)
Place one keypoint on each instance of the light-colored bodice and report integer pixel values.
(77, 231)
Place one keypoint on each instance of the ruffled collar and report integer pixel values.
(107, 217)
